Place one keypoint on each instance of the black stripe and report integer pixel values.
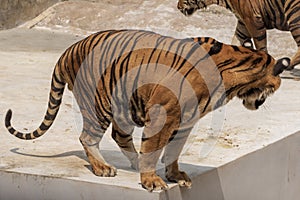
(241, 62)
(216, 48)
(295, 21)
(272, 11)
(19, 135)
(44, 127)
(54, 101)
(179, 51)
(235, 48)
(55, 78)
(124, 136)
(189, 54)
(11, 130)
(28, 136)
(288, 6)
(262, 37)
(206, 105)
(124, 65)
(220, 101)
(8, 118)
(50, 116)
(102, 110)
(253, 63)
(144, 139)
(269, 60)
(225, 63)
(36, 134)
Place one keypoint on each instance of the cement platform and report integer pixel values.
(254, 155)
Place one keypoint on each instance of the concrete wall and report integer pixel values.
(15, 12)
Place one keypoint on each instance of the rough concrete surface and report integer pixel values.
(16, 12)
(29, 55)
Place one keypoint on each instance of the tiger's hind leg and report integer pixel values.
(170, 158)
(123, 137)
(90, 138)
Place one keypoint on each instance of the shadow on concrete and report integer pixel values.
(293, 74)
(115, 158)
(79, 154)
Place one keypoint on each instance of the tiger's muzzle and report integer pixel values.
(186, 9)
(253, 105)
(255, 97)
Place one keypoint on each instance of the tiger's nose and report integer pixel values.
(179, 5)
(259, 103)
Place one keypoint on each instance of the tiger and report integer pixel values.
(255, 17)
(138, 78)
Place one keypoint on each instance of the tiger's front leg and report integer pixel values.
(147, 166)
(170, 158)
(161, 122)
(151, 148)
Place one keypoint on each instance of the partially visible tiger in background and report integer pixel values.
(255, 17)
(139, 78)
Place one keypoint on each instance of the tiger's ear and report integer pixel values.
(281, 65)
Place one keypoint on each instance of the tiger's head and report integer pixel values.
(256, 93)
(188, 7)
(251, 75)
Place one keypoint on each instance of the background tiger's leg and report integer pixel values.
(242, 36)
(170, 158)
(260, 41)
(295, 59)
(123, 137)
(294, 27)
(257, 29)
(90, 138)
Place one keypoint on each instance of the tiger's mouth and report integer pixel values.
(253, 105)
(188, 11)
(254, 98)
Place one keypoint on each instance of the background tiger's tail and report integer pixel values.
(55, 98)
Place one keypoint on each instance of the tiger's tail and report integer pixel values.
(55, 98)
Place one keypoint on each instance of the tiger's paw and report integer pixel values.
(152, 182)
(181, 178)
(104, 170)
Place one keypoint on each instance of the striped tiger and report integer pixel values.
(135, 78)
(254, 18)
